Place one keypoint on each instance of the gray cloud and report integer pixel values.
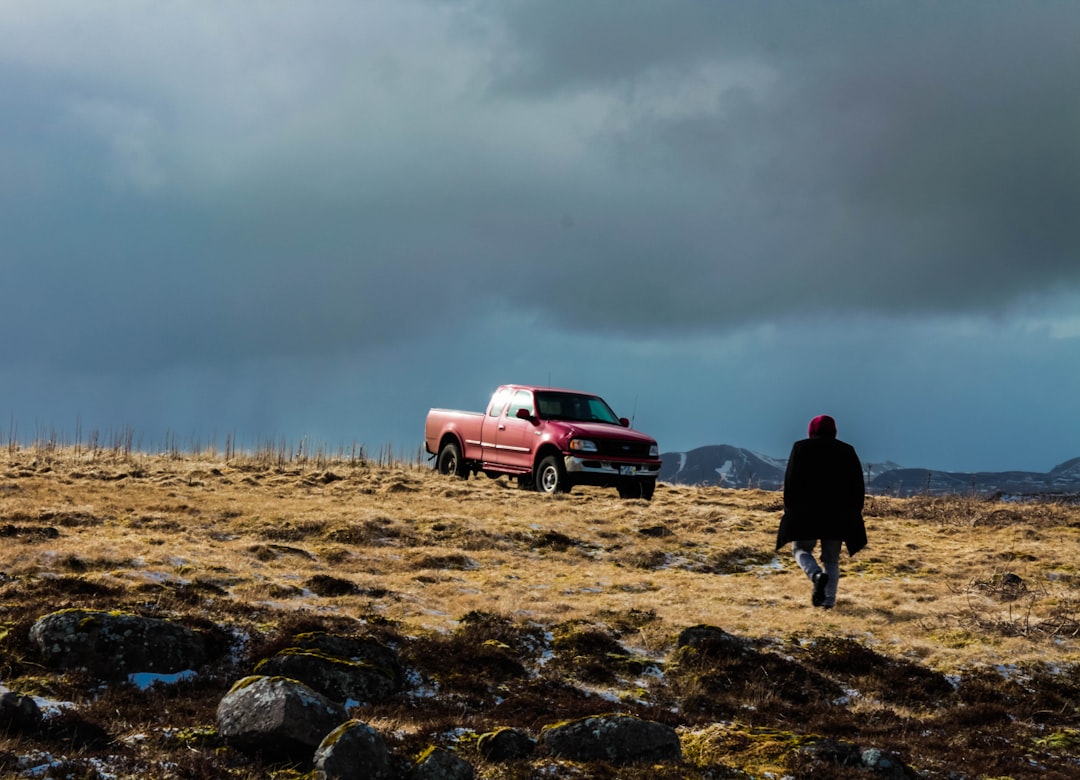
(268, 182)
(897, 158)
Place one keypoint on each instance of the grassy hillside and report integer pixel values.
(584, 593)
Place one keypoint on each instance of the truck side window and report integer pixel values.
(522, 400)
(498, 402)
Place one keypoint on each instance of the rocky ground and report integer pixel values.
(477, 630)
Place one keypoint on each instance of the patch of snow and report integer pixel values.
(36, 764)
(458, 734)
(606, 694)
(416, 689)
(41, 764)
(1008, 671)
(547, 654)
(51, 708)
(850, 695)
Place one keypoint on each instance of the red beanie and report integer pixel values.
(823, 425)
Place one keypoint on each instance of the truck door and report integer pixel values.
(490, 427)
(515, 439)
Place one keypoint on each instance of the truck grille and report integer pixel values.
(617, 448)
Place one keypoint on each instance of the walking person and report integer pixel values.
(823, 501)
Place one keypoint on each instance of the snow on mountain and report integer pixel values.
(723, 465)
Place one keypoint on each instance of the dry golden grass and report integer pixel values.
(431, 549)
(952, 583)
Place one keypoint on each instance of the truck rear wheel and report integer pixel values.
(551, 476)
(450, 461)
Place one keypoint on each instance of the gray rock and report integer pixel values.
(276, 716)
(353, 648)
(439, 764)
(353, 751)
(833, 752)
(18, 714)
(114, 644)
(712, 640)
(619, 739)
(886, 764)
(336, 678)
(505, 745)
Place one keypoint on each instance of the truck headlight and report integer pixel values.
(654, 450)
(583, 445)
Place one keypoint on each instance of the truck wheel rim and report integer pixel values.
(549, 479)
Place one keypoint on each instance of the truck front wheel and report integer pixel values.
(551, 476)
(450, 461)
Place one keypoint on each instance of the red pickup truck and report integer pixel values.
(551, 439)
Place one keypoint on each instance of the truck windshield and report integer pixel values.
(573, 407)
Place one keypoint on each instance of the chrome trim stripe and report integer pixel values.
(491, 446)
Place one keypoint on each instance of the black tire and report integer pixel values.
(450, 461)
(551, 476)
(637, 488)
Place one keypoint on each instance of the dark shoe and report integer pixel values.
(821, 579)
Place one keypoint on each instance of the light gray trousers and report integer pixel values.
(830, 561)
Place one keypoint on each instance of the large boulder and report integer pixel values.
(115, 644)
(277, 717)
(618, 739)
(353, 751)
(339, 679)
(353, 648)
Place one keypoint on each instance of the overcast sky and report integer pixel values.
(318, 219)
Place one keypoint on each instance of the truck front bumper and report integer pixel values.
(590, 470)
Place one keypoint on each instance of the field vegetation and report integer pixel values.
(955, 642)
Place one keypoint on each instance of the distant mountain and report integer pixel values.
(1062, 480)
(727, 466)
(723, 465)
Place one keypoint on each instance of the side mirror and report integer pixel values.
(625, 423)
(523, 414)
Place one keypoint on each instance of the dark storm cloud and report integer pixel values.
(887, 157)
(262, 182)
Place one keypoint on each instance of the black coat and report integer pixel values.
(823, 494)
